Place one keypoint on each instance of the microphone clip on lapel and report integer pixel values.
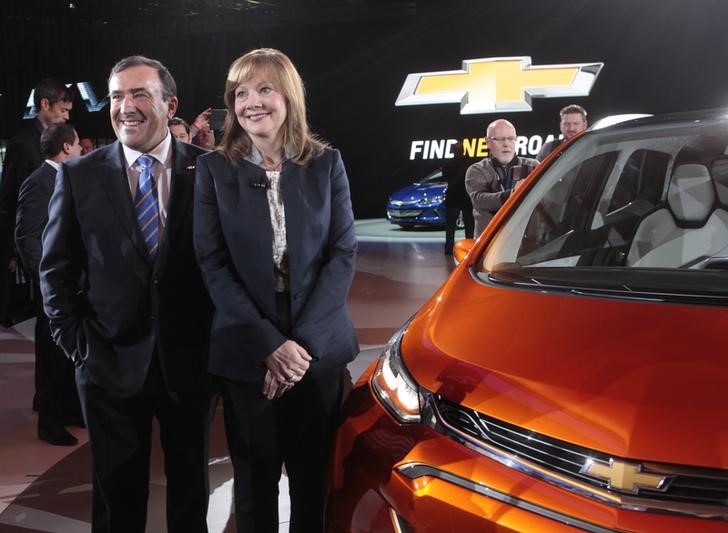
(259, 182)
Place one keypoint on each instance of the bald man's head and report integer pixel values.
(501, 140)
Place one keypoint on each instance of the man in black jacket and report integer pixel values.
(53, 101)
(57, 397)
(573, 121)
(457, 201)
(138, 328)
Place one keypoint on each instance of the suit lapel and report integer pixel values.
(252, 216)
(180, 197)
(116, 184)
(293, 191)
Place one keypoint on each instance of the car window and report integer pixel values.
(633, 208)
(567, 204)
(433, 177)
(642, 178)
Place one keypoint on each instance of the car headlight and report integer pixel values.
(435, 200)
(394, 387)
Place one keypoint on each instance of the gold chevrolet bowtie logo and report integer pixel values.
(498, 84)
(624, 476)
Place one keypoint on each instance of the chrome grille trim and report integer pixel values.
(653, 501)
(417, 470)
(404, 213)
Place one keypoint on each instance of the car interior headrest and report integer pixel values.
(691, 194)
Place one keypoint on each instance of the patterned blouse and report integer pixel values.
(274, 193)
(278, 223)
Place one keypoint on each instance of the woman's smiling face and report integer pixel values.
(260, 108)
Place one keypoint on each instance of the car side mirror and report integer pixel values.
(461, 249)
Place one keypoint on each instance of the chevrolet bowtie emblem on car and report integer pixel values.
(498, 84)
(624, 476)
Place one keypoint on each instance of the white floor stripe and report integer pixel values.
(86, 487)
(29, 518)
(17, 357)
(26, 329)
(284, 505)
(221, 504)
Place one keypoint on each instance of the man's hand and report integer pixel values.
(272, 388)
(202, 121)
(204, 138)
(13, 265)
(288, 363)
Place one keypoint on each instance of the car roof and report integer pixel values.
(670, 118)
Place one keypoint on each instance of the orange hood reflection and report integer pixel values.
(628, 378)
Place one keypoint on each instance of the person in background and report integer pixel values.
(491, 181)
(53, 102)
(274, 236)
(180, 129)
(573, 121)
(57, 396)
(202, 121)
(457, 200)
(138, 325)
(201, 131)
(204, 138)
(87, 145)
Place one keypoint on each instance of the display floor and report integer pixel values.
(46, 488)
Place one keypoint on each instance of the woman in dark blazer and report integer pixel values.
(274, 236)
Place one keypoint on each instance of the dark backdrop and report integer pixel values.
(659, 56)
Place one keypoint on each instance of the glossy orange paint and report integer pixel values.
(629, 378)
(462, 248)
(366, 485)
(611, 375)
(633, 379)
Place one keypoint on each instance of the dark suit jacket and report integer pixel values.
(32, 217)
(547, 148)
(127, 307)
(454, 173)
(233, 241)
(22, 157)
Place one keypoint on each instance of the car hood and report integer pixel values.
(633, 379)
(416, 192)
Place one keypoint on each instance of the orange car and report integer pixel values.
(572, 373)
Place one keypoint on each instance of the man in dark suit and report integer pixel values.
(138, 327)
(457, 200)
(53, 101)
(57, 396)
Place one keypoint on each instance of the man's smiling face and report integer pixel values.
(139, 112)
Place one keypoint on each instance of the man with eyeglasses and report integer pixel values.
(573, 121)
(491, 181)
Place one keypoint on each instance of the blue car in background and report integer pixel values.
(419, 204)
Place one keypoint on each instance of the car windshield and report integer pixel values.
(433, 177)
(637, 209)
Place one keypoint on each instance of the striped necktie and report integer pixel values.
(147, 207)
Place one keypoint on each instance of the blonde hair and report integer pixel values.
(298, 142)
